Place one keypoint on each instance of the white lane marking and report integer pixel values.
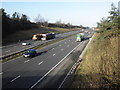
(68, 45)
(68, 72)
(52, 69)
(40, 63)
(62, 49)
(1, 73)
(26, 61)
(15, 78)
(53, 48)
(7, 51)
(53, 54)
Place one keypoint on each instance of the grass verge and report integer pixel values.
(100, 67)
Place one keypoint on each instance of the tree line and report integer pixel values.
(14, 23)
(112, 21)
(19, 22)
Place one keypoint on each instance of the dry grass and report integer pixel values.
(27, 34)
(100, 67)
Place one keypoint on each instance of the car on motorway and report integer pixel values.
(25, 43)
(30, 53)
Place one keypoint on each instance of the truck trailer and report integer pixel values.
(43, 36)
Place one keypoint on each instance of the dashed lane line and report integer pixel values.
(54, 54)
(40, 63)
(15, 78)
(26, 61)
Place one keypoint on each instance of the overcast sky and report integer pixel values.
(76, 13)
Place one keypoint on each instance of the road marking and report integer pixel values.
(1, 73)
(69, 70)
(15, 78)
(65, 42)
(26, 61)
(40, 63)
(62, 49)
(53, 48)
(7, 51)
(53, 54)
(52, 69)
(68, 45)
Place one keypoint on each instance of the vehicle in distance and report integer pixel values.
(80, 37)
(25, 43)
(43, 36)
(30, 53)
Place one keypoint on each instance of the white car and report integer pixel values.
(25, 43)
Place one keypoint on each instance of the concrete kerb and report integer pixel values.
(72, 70)
(82, 54)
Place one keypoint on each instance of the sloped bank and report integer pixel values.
(100, 67)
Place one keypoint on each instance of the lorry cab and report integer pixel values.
(80, 37)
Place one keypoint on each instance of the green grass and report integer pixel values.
(100, 67)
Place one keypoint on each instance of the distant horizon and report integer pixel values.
(76, 13)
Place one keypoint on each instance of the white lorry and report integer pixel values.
(80, 37)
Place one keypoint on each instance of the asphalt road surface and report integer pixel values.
(9, 49)
(27, 72)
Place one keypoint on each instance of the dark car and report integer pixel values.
(30, 53)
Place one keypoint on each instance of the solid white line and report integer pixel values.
(52, 69)
(53, 54)
(26, 61)
(15, 78)
(66, 75)
(40, 63)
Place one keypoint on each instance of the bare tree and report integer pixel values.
(39, 19)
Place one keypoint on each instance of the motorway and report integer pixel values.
(9, 49)
(27, 72)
